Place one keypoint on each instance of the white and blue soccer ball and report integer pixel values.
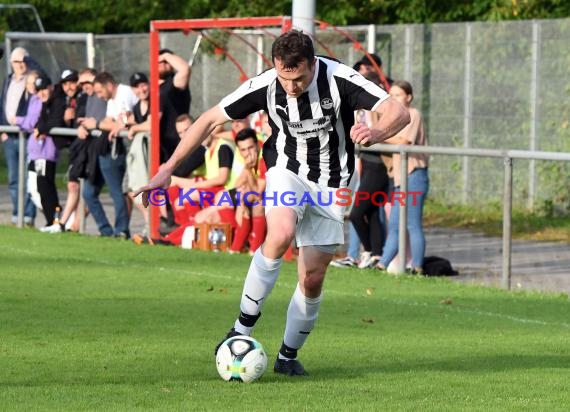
(241, 358)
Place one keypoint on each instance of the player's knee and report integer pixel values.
(280, 238)
(312, 282)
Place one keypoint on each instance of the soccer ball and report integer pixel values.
(241, 358)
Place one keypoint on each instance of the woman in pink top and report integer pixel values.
(418, 184)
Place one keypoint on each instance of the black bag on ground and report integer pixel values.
(438, 266)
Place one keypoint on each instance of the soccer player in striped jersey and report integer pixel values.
(310, 101)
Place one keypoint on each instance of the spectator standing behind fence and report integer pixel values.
(42, 150)
(27, 123)
(86, 164)
(352, 258)
(365, 215)
(175, 98)
(418, 183)
(75, 101)
(139, 133)
(13, 102)
(112, 158)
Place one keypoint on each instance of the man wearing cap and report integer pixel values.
(42, 150)
(13, 103)
(75, 101)
(69, 84)
(139, 127)
(140, 119)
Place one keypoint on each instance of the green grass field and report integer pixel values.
(92, 323)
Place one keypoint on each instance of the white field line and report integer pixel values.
(327, 290)
(481, 313)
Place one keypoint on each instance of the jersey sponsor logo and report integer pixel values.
(323, 120)
(326, 103)
(310, 128)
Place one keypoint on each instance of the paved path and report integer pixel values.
(478, 258)
(535, 265)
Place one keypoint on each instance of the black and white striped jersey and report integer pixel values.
(311, 133)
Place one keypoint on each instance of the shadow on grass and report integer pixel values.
(475, 364)
(157, 370)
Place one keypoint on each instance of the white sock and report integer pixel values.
(301, 317)
(261, 278)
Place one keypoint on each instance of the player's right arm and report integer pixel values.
(190, 141)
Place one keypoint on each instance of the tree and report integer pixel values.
(133, 16)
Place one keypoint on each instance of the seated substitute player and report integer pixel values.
(249, 211)
(310, 101)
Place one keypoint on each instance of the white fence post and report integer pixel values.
(507, 222)
(467, 109)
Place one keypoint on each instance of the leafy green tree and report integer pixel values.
(133, 16)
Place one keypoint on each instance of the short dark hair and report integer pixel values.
(247, 133)
(165, 50)
(368, 58)
(183, 117)
(292, 48)
(104, 78)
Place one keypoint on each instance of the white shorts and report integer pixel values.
(320, 218)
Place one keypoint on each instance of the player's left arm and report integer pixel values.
(393, 117)
(360, 93)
